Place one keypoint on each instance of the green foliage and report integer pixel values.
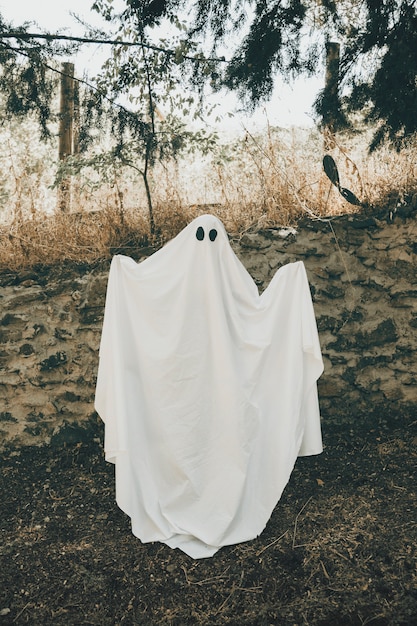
(390, 93)
(26, 169)
(272, 45)
(379, 52)
(124, 106)
(26, 80)
(378, 66)
(150, 79)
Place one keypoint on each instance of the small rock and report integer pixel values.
(62, 334)
(53, 361)
(26, 349)
(5, 416)
(254, 242)
(333, 291)
(286, 232)
(362, 224)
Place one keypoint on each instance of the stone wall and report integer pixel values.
(362, 272)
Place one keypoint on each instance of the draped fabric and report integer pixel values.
(207, 389)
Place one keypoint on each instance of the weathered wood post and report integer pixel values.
(331, 88)
(66, 131)
(76, 132)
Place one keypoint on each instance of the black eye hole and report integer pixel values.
(213, 234)
(200, 233)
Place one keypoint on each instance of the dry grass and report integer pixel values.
(81, 237)
(271, 179)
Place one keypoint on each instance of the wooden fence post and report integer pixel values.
(76, 133)
(66, 130)
(331, 89)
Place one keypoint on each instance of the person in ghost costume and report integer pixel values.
(208, 390)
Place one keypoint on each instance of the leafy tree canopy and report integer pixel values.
(259, 38)
(26, 83)
(378, 67)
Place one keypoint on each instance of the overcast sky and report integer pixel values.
(289, 106)
(49, 14)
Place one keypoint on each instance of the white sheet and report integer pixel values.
(207, 390)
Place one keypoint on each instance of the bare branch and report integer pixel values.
(110, 42)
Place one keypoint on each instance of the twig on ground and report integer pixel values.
(296, 522)
(272, 543)
(234, 588)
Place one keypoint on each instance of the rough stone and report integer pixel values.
(53, 361)
(391, 389)
(5, 416)
(331, 387)
(364, 291)
(333, 291)
(366, 223)
(327, 322)
(385, 332)
(12, 320)
(26, 349)
(254, 241)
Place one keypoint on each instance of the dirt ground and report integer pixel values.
(340, 548)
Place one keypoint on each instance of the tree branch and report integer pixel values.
(110, 42)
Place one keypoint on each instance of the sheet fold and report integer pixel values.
(207, 389)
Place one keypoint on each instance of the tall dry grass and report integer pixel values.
(271, 178)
